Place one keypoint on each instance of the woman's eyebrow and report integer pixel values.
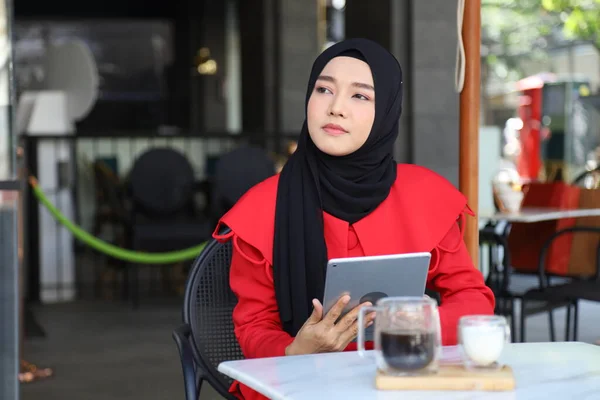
(355, 84)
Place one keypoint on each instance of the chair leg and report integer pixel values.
(575, 319)
(522, 337)
(513, 321)
(568, 324)
(199, 383)
(499, 307)
(551, 325)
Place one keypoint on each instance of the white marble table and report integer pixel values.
(559, 370)
(533, 214)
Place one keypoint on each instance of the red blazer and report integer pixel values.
(421, 213)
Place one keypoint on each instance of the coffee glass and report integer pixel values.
(407, 335)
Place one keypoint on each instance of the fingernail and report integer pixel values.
(370, 323)
(346, 299)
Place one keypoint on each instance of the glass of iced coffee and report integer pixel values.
(407, 335)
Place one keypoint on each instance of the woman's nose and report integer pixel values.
(337, 107)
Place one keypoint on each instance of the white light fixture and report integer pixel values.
(338, 4)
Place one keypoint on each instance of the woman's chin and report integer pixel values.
(336, 146)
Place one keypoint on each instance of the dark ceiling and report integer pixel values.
(99, 9)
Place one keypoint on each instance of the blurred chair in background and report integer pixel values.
(236, 172)
(163, 214)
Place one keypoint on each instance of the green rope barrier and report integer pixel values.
(112, 250)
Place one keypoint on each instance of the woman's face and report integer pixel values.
(341, 108)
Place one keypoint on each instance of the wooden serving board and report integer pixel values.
(450, 377)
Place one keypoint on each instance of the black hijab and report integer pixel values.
(347, 187)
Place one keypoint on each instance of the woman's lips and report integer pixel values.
(334, 130)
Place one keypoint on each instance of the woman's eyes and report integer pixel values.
(359, 96)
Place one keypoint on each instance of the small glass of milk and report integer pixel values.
(482, 339)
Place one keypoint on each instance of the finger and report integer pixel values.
(350, 317)
(351, 332)
(348, 335)
(337, 309)
(317, 313)
(371, 317)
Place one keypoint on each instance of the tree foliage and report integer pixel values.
(580, 18)
(514, 30)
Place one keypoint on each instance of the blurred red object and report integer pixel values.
(527, 239)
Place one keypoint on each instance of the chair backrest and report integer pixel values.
(237, 171)
(588, 179)
(208, 307)
(161, 182)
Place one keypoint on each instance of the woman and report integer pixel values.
(342, 194)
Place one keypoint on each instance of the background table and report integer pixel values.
(559, 370)
(538, 214)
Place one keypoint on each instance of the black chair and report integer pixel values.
(548, 297)
(499, 280)
(206, 337)
(570, 292)
(235, 173)
(163, 214)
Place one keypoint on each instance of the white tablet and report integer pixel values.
(373, 277)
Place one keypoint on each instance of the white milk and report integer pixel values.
(483, 344)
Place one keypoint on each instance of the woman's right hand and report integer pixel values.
(322, 334)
